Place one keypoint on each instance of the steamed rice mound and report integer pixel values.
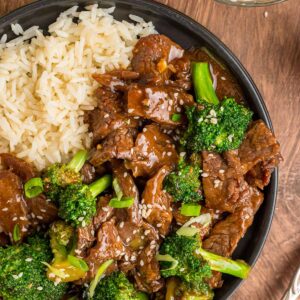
(46, 84)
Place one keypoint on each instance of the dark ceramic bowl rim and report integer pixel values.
(216, 45)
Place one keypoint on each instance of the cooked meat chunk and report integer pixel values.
(85, 239)
(158, 103)
(223, 183)
(156, 202)
(226, 84)
(260, 174)
(18, 166)
(104, 211)
(41, 210)
(116, 80)
(109, 116)
(181, 67)
(86, 235)
(13, 209)
(129, 189)
(151, 56)
(153, 149)
(259, 154)
(88, 173)
(109, 246)
(4, 239)
(117, 144)
(148, 277)
(226, 234)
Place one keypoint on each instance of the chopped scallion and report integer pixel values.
(78, 263)
(16, 233)
(190, 210)
(123, 203)
(176, 117)
(33, 187)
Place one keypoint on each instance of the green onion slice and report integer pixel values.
(16, 233)
(190, 210)
(168, 258)
(78, 263)
(123, 203)
(176, 117)
(33, 187)
(117, 189)
(98, 277)
(187, 231)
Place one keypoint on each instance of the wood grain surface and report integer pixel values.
(267, 41)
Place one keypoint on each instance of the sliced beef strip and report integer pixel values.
(226, 83)
(156, 202)
(153, 149)
(181, 68)
(151, 56)
(224, 185)
(147, 275)
(41, 210)
(108, 246)
(4, 239)
(116, 80)
(85, 239)
(86, 235)
(104, 211)
(108, 116)
(158, 104)
(18, 166)
(117, 144)
(226, 234)
(129, 189)
(13, 208)
(259, 154)
(88, 173)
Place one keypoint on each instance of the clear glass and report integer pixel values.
(250, 2)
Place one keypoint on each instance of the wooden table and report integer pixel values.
(267, 41)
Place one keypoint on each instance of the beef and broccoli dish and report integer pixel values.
(158, 204)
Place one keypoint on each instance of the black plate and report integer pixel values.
(187, 33)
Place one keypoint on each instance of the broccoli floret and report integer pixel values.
(177, 289)
(213, 125)
(77, 202)
(65, 267)
(23, 274)
(183, 257)
(184, 184)
(192, 270)
(57, 176)
(116, 286)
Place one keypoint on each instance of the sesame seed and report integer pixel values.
(204, 174)
(5, 209)
(144, 129)
(40, 217)
(130, 110)
(39, 288)
(134, 231)
(29, 259)
(15, 276)
(223, 78)
(181, 102)
(178, 109)
(214, 121)
(169, 153)
(15, 218)
(43, 210)
(121, 224)
(24, 229)
(105, 208)
(80, 219)
(221, 171)
(125, 175)
(142, 263)
(127, 240)
(106, 116)
(266, 14)
(51, 275)
(147, 232)
(182, 269)
(158, 225)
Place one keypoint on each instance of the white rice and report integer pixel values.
(46, 84)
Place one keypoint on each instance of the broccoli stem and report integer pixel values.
(225, 265)
(78, 160)
(100, 185)
(203, 84)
